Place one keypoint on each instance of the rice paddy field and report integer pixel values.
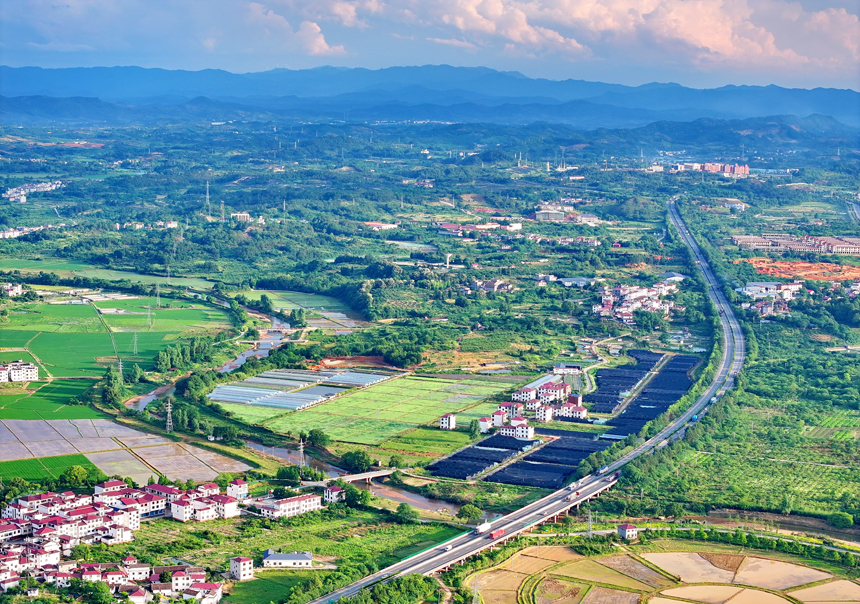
(47, 401)
(374, 415)
(290, 300)
(72, 340)
(46, 467)
(662, 572)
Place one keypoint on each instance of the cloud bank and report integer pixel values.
(803, 41)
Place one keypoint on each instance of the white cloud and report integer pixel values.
(452, 42)
(314, 42)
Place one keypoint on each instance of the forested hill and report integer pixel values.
(430, 92)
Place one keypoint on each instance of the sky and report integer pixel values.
(699, 43)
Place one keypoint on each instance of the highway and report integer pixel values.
(449, 553)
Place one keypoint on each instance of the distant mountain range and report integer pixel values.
(432, 92)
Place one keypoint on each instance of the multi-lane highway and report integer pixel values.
(464, 546)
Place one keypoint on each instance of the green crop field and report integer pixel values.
(251, 414)
(43, 467)
(67, 268)
(71, 340)
(289, 300)
(48, 402)
(381, 412)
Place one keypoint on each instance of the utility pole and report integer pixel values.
(590, 527)
(208, 206)
(301, 453)
(168, 426)
(134, 343)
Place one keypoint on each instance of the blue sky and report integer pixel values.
(702, 43)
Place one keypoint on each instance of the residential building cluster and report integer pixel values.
(621, 301)
(15, 232)
(771, 289)
(459, 230)
(286, 508)
(38, 530)
(19, 371)
(13, 289)
(780, 242)
(542, 280)
(20, 193)
(491, 285)
(714, 168)
(136, 226)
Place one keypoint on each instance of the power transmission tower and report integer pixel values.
(208, 206)
(590, 527)
(134, 343)
(119, 365)
(148, 317)
(301, 453)
(168, 426)
(157, 296)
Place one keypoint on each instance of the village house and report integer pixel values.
(521, 432)
(627, 531)
(292, 506)
(334, 494)
(499, 418)
(524, 396)
(272, 559)
(237, 488)
(241, 569)
(485, 424)
(448, 422)
(544, 413)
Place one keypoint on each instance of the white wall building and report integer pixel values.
(241, 569)
(448, 421)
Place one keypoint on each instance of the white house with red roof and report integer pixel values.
(512, 409)
(499, 418)
(519, 421)
(241, 569)
(485, 424)
(553, 391)
(225, 506)
(209, 489)
(237, 488)
(525, 395)
(544, 413)
(203, 593)
(110, 485)
(292, 506)
(521, 432)
(334, 494)
(448, 422)
(628, 531)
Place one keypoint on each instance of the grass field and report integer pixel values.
(376, 414)
(67, 268)
(48, 402)
(71, 339)
(43, 467)
(289, 300)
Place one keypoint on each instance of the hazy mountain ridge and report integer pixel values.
(438, 92)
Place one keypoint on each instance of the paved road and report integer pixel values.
(459, 548)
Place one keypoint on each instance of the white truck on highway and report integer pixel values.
(483, 528)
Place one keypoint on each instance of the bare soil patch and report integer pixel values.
(773, 574)
(754, 596)
(589, 570)
(724, 561)
(559, 553)
(529, 564)
(500, 579)
(601, 595)
(690, 567)
(637, 570)
(836, 591)
(498, 596)
(553, 591)
(709, 594)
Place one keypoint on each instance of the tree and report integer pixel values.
(75, 475)
(318, 438)
(162, 362)
(474, 429)
(469, 513)
(396, 461)
(137, 374)
(676, 510)
(356, 461)
(405, 513)
(355, 497)
(840, 520)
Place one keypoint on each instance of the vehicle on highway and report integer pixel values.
(482, 528)
(448, 548)
(602, 470)
(497, 533)
(694, 418)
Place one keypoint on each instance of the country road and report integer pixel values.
(449, 553)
